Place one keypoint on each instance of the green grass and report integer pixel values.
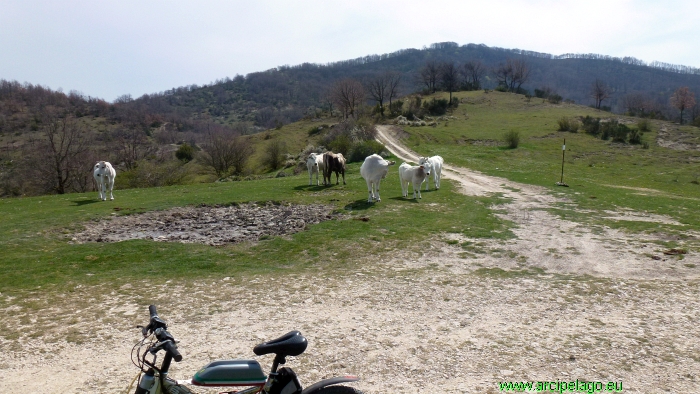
(35, 232)
(602, 175)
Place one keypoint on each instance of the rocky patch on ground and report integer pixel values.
(208, 225)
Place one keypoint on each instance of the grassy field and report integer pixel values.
(602, 175)
(35, 232)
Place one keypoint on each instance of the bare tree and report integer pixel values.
(449, 77)
(429, 75)
(513, 74)
(635, 104)
(348, 94)
(521, 73)
(599, 92)
(225, 151)
(504, 73)
(378, 89)
(394, 83)
(132, 145)
(682, 99)
(66, 142)
(273, 154)
(473, 72)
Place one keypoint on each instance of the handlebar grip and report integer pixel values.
(171, 349)
(152, 310)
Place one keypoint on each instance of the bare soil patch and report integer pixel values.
(208, 225)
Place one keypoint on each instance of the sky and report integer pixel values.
(106, 49)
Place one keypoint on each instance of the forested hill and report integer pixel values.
(285, 93)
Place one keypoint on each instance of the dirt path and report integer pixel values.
(561, 246)
(433, 323)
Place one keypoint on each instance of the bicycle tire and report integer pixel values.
(338, 390)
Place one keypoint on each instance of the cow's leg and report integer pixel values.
(369, 190)
(343, 173)
(377, 186)
(427, 183)
(311, 174)
(111, 188)
(103, 191)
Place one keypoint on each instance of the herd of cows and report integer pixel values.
(374, 169)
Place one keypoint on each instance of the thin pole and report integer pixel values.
(563, 152)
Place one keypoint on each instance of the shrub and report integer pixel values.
(512, 139)
(436, 107)
(395, 108)
(501, 88)
(568, 124)
(554, 98)
(635, 136)
(365, 148)
(644, 125)
(185, 153)
(341, 144)
(613, 129)
(591, 125)
(273, 155)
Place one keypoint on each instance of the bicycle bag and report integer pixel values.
(286, 382)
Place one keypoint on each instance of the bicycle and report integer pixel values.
(153, 379)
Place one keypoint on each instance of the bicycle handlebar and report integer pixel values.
(157, 326)
(152, 310)
(171, 349)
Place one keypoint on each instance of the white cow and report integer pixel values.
(374, 169)
(414, 175)
(436, 163)
(104, 176)
(314, 164)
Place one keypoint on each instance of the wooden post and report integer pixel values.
(563, 152)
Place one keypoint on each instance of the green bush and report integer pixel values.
(365, 148)
(613, 129)
(591, 125)
(395, 108)
(568, 124)
(635, 136)
(512, 139)
(644, 125)
(341, 144)
(554, 98)
(436, 107)
(185, 153)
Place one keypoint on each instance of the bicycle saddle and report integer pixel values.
(289, 344)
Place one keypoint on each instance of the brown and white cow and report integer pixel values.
(333, 162)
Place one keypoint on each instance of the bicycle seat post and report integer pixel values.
(279, 359)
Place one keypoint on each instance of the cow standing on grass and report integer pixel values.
(374, 169)
(333, 162)
(104, 175)
(414, 175)
(314, 163)
(435, 163)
